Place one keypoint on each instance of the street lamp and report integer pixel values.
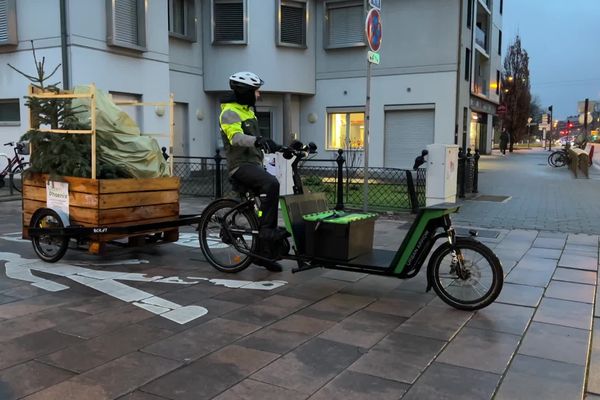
(529, 130)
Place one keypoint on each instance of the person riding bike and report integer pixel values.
(244, 147)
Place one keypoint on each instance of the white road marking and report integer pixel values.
(107, 282)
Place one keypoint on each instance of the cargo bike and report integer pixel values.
(463, 272)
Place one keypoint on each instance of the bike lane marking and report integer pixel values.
(107, 282)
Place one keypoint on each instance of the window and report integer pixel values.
(467, 64)
(264, 124)
(292, 24)
(499, 42)
(126, 24)
(229, 22)
(469, 13)
(8, 22)
(497, 82)
(344, 24)
(10, 114)
(501, 6)
(346, 130)
(182, 19)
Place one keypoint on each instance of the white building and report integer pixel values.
(437, 80)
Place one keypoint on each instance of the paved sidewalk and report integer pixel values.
(130, 325)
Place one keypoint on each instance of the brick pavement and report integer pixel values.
(322, 335)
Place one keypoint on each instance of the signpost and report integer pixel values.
(374, 34)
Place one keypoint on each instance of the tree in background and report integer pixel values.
(515, 94)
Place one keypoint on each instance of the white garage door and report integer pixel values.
(407, 132)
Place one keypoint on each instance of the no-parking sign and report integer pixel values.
(373, 29)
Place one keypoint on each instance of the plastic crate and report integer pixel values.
(339, 235)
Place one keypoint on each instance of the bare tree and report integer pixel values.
(516, 95)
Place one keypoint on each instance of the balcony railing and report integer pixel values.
(481, 38)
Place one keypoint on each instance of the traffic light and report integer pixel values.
(550, 108)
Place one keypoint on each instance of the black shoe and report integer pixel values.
(270, 265)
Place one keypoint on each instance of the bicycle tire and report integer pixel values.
(48, 248)
(18, 176)
(444, 285)
(551, 159)
(214, 244)
(561, 160)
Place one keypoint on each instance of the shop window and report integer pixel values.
(345, 130)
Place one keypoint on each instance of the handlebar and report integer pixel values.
(10, 144)
(297, 149)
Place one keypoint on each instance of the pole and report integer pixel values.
(366, 164)
(585, 119)
(550, 130)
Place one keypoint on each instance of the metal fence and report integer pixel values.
(389, 188)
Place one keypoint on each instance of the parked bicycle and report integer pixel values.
(559, 158)
(16, 165)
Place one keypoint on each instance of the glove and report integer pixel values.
(268, 145)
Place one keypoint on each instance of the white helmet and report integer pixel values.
(245, 79)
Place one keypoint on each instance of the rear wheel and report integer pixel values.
(467, 276)
(218, 231)
(18, 176)
(558, 159)
(48, 248)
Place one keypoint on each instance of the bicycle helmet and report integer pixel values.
(244, 84)
(245, 80)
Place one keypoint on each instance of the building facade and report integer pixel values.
(438, 80)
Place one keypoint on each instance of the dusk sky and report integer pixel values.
(562, 39)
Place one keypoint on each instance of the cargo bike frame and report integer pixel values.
(463, 272)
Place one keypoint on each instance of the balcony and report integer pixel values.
(481, 38)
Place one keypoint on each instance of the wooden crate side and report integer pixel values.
(84, 185)
(140, 214)
(118, 200)
(138, 185)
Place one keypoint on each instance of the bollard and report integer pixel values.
(469, 171)
(340, 180)
(476, 171)
(218, 180)
(461, 172)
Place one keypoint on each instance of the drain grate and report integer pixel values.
(484, 233)
(489, 197)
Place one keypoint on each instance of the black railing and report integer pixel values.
(389, 188)
(468, 172)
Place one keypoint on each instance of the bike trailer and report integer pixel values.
(339, 235)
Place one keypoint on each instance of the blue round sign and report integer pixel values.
(373, 29)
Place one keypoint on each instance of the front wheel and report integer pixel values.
(466, 275)
(219, 230)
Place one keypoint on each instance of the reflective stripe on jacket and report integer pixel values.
(237, 119)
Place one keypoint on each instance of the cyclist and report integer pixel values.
(244, 145)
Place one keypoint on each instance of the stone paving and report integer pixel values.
(321, 335)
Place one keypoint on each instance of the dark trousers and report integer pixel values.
(260, 181)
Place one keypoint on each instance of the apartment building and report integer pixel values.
(438, 80)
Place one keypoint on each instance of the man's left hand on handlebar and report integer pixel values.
(268, 145)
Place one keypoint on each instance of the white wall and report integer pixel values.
(437, 89)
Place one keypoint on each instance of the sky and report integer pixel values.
(562, 39)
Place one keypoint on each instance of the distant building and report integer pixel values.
(438, 80)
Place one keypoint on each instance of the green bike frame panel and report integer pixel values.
(415, 233)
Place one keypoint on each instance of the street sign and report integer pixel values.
(373, 58)
(373, 29)
(582, 116)
(545, 119)
(543, 126)
(375, 4)
(501, 109)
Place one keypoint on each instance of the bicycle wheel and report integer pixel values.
(217, 246)
(18, 176)
(49, 248)
(551, 159)
(561, 160)
(474, 285)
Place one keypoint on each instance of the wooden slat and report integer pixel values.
(77, 216)
(84, 185)
(139, 214)
(138, 185)
(118, 200)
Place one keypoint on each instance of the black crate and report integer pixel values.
(339, 235)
